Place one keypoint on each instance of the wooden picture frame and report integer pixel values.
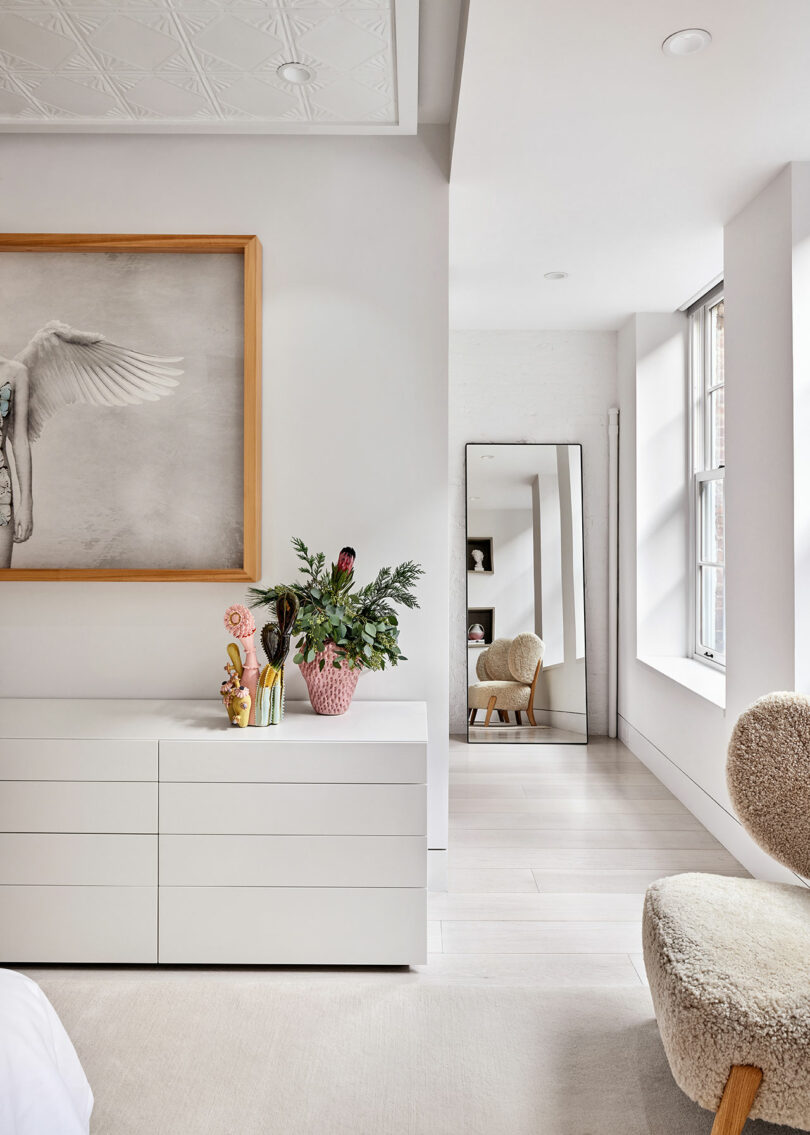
(249, 249)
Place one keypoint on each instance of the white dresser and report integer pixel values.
(154, 832)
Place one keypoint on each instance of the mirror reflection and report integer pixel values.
(525, 594)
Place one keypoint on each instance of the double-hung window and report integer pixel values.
(708, 477)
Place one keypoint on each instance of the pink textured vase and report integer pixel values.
(330, 690)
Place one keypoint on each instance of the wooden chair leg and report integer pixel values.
(504, 715)
(738, 1098)
(518, 716)
(473, 715)
(490, 707)
(530, 713)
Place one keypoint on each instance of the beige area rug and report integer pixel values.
(206, 1055)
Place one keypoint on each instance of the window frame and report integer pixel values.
(701, 468)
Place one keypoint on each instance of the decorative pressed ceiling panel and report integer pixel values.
(208, 65)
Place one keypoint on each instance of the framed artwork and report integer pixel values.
(479, 555)
(130, 407)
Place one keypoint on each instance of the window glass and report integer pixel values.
(709, 460)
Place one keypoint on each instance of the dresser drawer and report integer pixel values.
(292, 861)
(292, 926)
(76, 860)
(78, 924)
(292, 809)
(62, 759)
(249, 759)
(83, 806)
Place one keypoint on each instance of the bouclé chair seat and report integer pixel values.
(509, 695)
(728, 961)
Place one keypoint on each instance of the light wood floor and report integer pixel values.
(551, 850)
(499, 733)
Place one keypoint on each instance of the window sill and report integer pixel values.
(705, 681)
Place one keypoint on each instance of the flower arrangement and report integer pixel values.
(360, 624)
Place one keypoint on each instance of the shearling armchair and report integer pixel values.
(508, 670)
(728, 959)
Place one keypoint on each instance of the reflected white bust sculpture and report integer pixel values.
(478, 559)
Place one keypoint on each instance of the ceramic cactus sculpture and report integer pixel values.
(276, 643)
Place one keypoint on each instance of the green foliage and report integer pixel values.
(362, 623)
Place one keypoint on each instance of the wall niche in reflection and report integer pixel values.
(529, 683)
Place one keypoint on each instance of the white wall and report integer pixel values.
(510, 588)
(542, 386)
(355, 393)
(681, 735)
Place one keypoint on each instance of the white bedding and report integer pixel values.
(43, 1088)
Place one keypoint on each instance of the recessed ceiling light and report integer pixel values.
(555, 275)
(689, 41)
(294, 73)
(487, 456)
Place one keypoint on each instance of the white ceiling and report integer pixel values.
(208, 65)
(580, 146)
(501, 476)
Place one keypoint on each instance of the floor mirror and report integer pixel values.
(525, 633)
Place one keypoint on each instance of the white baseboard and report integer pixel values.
(437, 870)
(562, 719)
(722, 825)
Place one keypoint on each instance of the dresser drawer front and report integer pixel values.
(292, 926)
(292, 809)
(301, 762)
(78, 924)
(292, 861)
(84, 806)
(62, 759)
(78, 860)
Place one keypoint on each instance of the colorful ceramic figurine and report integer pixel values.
(239, 706)
(235, 696)
(240, 623)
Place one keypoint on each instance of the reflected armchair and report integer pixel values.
(508, 670)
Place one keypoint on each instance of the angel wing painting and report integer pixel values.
(130, 452)
(59, 367)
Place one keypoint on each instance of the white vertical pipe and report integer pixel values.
(613, 571)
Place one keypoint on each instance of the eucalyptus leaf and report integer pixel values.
(311, 654)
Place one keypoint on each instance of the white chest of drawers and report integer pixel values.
(152, 832)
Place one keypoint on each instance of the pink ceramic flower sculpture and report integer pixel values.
(239, 621)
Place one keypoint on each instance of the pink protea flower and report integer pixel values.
(239, 621)
(346, 559)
